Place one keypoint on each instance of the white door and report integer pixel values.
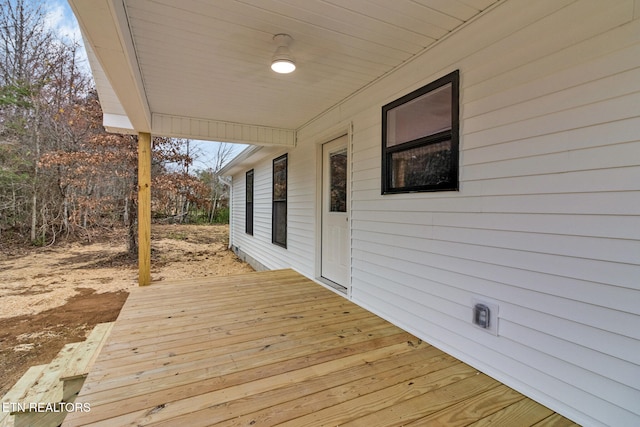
(335, 212)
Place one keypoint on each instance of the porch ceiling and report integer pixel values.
(200, 69)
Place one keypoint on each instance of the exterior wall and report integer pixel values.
(301, 205)
(546, 224)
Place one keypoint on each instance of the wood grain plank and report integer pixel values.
(86, 353)
(555, 420)
(400, 413)
(258, 378)
(442, 387)
(290, 360)
(522, 412)
(221, 333)
(207, 358)
(470, 410)
(301, 408)
(281, 399)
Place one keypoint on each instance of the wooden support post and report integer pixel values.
(144, 208)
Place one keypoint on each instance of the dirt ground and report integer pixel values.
(55, 295)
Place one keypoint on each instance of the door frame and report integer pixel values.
(321, 139)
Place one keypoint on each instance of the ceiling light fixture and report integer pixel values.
(283, 62)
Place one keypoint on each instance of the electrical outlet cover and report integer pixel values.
(477, 316)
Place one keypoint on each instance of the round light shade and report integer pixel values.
(283, 62)
(283, 65)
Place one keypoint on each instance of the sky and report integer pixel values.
(61, 19)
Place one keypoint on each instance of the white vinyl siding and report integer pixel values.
(300, 251)
(547, 220)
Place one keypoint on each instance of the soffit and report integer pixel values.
(210, 60)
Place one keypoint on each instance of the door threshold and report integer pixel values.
(333, 285)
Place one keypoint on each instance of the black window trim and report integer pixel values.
(248, 222)
(284, 157)
(453, 135)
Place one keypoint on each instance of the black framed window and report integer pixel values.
(248, 220)
(279, 206)
(420, 139)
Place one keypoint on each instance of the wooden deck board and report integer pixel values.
(274, 348)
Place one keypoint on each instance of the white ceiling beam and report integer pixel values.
(217, 130)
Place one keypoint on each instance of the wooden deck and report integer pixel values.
(274, 348)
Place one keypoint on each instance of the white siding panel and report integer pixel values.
(625, 350)
(493, 96)
(300, 251)
(618, 402)
(400, 217)
(541, 38)
(439, 203)
(616, 227)
(367, 179)
(428, 260)
(602, 203)
(604, 179)
(576, 353)
(605, 111)
(547, 220)
(590, 248)
(598, 135)
(557, 70)
(590, 93)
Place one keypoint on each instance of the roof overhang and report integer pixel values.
(200, 70)
(113, 61)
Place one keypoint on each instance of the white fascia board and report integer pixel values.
(240, 161)
(118, 123)
(114, 118)
(105, 27)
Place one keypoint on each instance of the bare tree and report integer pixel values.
(216, 191)
(61, 173)
(31, 61)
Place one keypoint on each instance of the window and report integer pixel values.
(279, 212)
(248, 220)
(338, 181)
(420, 139)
